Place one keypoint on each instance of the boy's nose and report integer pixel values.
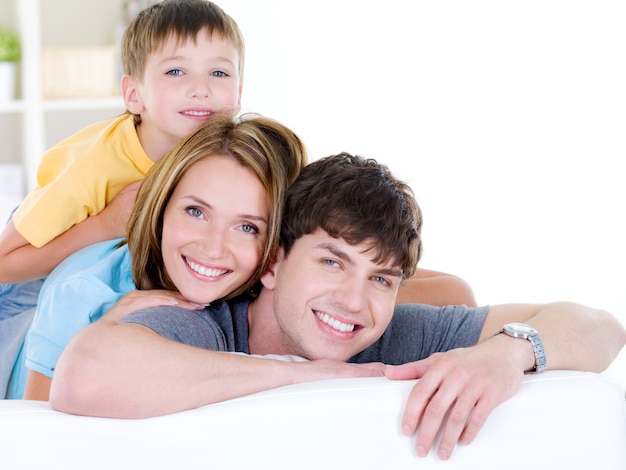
(201, 89)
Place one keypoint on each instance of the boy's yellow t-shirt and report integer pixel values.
(79, 177)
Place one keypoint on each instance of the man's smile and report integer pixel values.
(334, 323)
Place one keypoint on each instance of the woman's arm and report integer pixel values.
(435, 288)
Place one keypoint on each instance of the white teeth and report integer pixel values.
(334, 323)
(205, 271)
(198, 113)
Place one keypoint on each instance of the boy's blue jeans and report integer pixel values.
(18, 303)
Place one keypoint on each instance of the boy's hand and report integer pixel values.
(114, 217)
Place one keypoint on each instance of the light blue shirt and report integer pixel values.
(75, 294)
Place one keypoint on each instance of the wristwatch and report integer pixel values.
(523, 331)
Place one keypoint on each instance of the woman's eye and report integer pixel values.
(194, 212)
(174, 72)
(247, 228)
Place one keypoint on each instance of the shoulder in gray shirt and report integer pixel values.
(416, 331)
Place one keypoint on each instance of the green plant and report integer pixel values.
(9, 46)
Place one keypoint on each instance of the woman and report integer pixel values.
(205, 224)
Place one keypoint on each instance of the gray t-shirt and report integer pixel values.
(415, 332)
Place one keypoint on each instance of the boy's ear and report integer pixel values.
(239, 98)
(268, 279)
(132, 99)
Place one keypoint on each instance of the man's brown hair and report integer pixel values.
(359, 200)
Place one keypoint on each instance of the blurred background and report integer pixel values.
(507, 118)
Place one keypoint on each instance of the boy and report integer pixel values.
(350, 235)
(182, 62)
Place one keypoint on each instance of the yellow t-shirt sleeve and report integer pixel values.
(79, 177)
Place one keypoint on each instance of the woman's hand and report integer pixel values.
(140, 299)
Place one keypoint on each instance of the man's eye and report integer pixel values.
(174, 72)
(330, 262)
(381, 280)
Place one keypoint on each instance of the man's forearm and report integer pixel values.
(575, 337)
(132, 372)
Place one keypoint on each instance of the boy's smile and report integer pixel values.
(185, 83)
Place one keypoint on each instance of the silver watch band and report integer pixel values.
(523, 331)
(540, 355)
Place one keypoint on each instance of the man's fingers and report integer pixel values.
(442, 409)
(462, 413)
(477, 419)
(410, 370)
(420, 396)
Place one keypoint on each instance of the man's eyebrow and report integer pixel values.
(393, 271)
(336, 251)
(396, 272)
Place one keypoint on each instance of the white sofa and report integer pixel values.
(558, 420)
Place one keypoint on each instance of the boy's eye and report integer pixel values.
(247, 228)
(174, 72)
(219, 73)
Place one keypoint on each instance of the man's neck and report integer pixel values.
(263, 331)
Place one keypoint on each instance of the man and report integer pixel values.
(350, 235)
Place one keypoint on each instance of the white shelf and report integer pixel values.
(15, 106)
(36, 128)
(80, 104)
(69, 104)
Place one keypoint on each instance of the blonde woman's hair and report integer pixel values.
(272, 151)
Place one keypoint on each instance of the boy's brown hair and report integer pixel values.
(182, 19)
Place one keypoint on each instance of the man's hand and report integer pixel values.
(456, 393)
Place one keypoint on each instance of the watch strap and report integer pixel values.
(540, 355)
(531, 335)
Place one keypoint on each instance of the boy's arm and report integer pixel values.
(126, 370)
(469, 383)
(20, 261)
(435, 288)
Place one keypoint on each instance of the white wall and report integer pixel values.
(507, 118)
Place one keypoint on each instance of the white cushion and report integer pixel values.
(558, 420)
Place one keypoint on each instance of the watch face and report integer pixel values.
(519, 330)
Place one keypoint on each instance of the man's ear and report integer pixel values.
(132, 99)
(268, 279)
